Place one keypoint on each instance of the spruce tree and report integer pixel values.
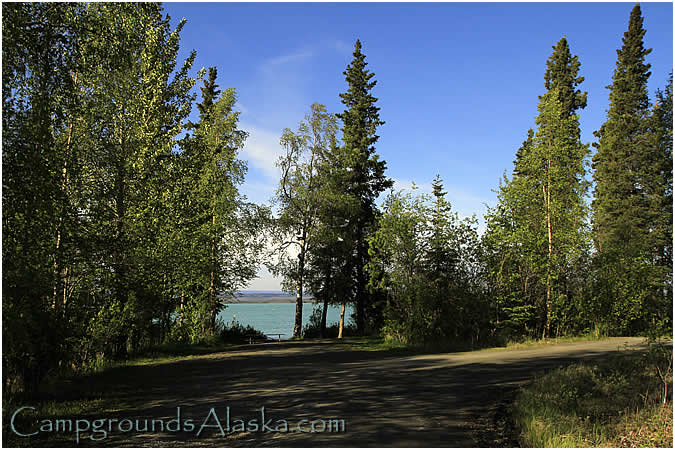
(210, 92)
(365, 179)
(623, 206)
(441, 258)
(658, 182)
(562, 72)
(619, 206)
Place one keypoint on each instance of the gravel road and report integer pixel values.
(349, 397)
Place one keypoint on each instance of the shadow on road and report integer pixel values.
(384, 399)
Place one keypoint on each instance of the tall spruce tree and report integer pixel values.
(660, 192)
(365, 179)
(619, 205)
(562, 72)
(622, 208)
(660, 184)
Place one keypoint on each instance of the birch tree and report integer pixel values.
(299, 198)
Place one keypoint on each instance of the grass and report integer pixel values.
(374, 344)
(616, 403)
(379, 343)
(529, 342)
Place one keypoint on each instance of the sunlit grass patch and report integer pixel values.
(616, 403)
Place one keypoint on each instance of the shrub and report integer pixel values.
(313, 327)
(236, 333)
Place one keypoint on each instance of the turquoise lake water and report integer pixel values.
(277, 317)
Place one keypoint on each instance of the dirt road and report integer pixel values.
(385, 399)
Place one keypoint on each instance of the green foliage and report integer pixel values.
(365, 179)
(212, 224)
(38, 92)
(300, 197)
(619, 205)
(537, 242)
(632, 208)
(236, 333)
(124, 228)
(616, 403)
(117, 227)
(425, 260)
(562, 73)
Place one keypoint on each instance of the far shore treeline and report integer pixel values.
(124, 228)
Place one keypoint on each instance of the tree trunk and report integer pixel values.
(547, 331)
(342, 321)
(120, 257)
(64, 182)
(324, 315)
(360, 286)
(212, 288)
(297, 330)
(182, 303)
(212, 277)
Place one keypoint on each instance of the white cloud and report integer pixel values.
(262, 150)
(289, 58)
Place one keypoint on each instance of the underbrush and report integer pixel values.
(236, 333)
(623, 401)
(313, 327)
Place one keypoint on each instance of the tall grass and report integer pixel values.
(623, 401)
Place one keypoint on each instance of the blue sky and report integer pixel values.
(457, 82)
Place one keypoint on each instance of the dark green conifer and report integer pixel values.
(620, 209)
(629, 190)
(365, 179)
(210, 92)
(562, 72)
(521, 153)
(660, 183)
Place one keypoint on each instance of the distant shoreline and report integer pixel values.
(263, 302)
(265, 297)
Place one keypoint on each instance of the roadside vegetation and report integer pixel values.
(624, 401)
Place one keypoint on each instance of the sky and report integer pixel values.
(457, 83)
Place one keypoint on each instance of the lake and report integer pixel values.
(277, 317)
